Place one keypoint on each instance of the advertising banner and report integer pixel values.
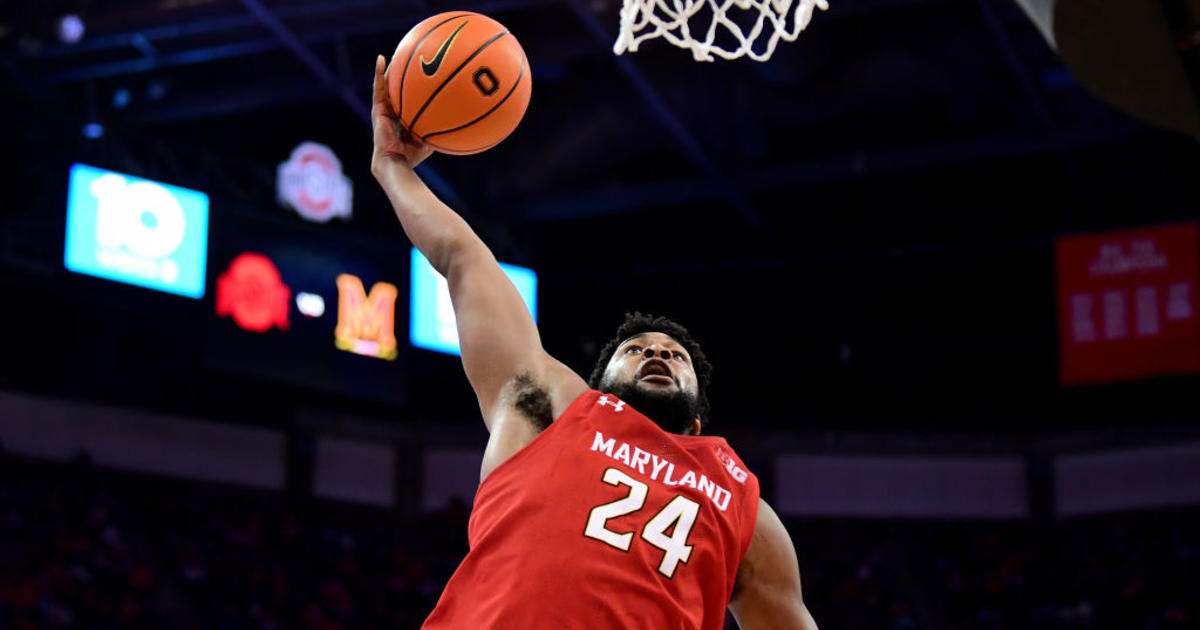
(1127, 304)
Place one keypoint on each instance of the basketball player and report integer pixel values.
(601, 505)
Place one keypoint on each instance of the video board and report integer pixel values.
(136, 231)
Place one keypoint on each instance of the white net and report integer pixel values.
(762, 24)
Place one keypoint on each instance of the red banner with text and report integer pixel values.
(1127, 304)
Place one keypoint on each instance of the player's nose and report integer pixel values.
(655, 351)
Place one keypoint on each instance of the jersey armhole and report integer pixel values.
(576, 407)
(573, 410)
(748, 515)
(747, 523)
(750, 519)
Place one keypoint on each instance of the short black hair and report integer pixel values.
(636, 324)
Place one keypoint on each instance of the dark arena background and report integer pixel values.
(944, 256)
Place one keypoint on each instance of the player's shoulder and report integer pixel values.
(581, 401)
(724, 454)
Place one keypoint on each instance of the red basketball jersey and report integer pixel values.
(604, 521)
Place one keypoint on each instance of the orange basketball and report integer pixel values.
(459, 82)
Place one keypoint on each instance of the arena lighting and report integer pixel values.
(432, 325)
(93, 130)
(121, 98)
(70, 29)
(310, 304)
(156, 90)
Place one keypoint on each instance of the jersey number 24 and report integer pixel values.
(680, 512)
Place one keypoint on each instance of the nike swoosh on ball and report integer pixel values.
(430, 68)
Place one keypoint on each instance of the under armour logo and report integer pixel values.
(617, 406)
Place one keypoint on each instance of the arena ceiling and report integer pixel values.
(862, 223)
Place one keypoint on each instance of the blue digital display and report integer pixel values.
(136, 231)
(432, 324)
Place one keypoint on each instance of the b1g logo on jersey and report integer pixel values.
(311, 182)
(136, 231)
(738, 473)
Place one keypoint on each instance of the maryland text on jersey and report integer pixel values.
(637, 459)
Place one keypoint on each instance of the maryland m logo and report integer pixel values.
(366, 323)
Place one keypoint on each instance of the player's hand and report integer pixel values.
(393, 145)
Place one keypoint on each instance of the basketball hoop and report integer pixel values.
(761, 20)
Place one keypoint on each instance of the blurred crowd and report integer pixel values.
(82, 547)
(65, 560)
(1137, 571)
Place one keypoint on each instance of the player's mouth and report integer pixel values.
(655, 371)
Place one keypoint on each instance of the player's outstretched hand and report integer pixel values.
(392, 143)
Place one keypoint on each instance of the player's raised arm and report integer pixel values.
(497, 335)
(767, 595)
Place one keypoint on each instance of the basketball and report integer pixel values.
(459, 82)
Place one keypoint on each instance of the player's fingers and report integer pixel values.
(379, 98)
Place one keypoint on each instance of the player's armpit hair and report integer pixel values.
(533, 400)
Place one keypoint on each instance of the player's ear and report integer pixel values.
(694, 427)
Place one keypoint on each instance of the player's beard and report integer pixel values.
(674, 410)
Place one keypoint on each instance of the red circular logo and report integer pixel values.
(253, 293)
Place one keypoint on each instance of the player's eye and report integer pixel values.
(633, 350)
(680, 356)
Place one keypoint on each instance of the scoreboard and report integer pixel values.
(307, 305)
(318, 306)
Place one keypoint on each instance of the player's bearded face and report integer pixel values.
(654, 375)
(673, 411)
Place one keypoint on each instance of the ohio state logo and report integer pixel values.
(311, 182)
(253, 294)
